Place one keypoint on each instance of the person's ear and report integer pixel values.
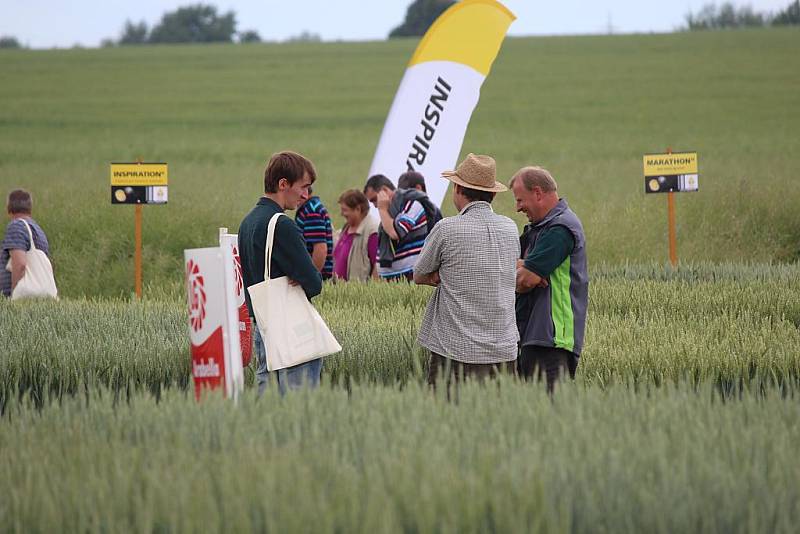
(283, 184)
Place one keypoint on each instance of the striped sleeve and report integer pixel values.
(313, 221)
(16, 237)
(410, 219)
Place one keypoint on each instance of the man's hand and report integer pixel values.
(383, 210)
(527, 280)
(383, 200)
(430, 279)
(293, 283)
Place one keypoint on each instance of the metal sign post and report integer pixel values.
(137, 255)
(138, 183)
(673, 239)
(670, 173)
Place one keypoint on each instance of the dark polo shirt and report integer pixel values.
(289, 255)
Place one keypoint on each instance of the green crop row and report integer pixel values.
(737, 330)
(502, 458)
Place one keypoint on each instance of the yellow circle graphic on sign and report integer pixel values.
(653, 184)
(119, 194)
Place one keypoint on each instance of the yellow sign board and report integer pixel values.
(139, 174)
(670, 164)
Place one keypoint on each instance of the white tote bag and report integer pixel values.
(38, 280)
(292, 329)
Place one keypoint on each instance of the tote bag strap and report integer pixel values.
(28, 226)
(268, 247)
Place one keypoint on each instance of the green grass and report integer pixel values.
(737, 327)
(392, 460)
(684, 413)
(585, 107)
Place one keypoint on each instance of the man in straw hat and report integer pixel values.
(469, 324)
(552, 280)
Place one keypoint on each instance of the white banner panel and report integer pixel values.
(428, 120)
(214, 344)
(236, 295)
(438, 93)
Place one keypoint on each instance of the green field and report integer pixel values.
(734, 327)
(391, 460)
(585, 107)
(683, 417)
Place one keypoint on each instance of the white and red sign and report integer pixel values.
(245, 327)
(213, 322)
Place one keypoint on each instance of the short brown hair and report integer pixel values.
(410, 180)
(376, 182)
(19, 201)
(354, 199)
(535, 177)
(289, 165)
(475, 195)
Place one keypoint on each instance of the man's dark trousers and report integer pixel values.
(546, 362)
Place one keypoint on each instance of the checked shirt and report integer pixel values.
(470, 317)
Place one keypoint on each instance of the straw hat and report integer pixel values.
(476, 172)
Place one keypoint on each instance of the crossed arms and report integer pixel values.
(527, 280)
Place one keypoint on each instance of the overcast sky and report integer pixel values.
(63, 23)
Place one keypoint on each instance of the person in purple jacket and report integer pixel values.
(356, 252)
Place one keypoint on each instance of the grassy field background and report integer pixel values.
(385, 459)
(684, 413)
(683, 417)
(585, 107)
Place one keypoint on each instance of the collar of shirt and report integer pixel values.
(265, 201)
(475, 204)
(360, 229)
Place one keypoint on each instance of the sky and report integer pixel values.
(65, 23)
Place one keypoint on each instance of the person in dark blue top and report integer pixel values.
(287, 181)
(315, 224)
(17, 240)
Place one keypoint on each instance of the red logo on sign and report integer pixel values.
(238, 264)
(197, 295)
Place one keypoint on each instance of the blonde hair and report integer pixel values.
(535, 177)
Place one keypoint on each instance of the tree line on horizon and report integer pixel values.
(724, 16)
(201, 23)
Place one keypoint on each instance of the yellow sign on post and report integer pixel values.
(670, 172)
(139, 183)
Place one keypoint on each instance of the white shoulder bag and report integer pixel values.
(38, 280)
(292, 329)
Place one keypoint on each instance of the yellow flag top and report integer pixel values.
(470, 32)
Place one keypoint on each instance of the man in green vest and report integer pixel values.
(552, 280)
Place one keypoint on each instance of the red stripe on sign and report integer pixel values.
(208, 363)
